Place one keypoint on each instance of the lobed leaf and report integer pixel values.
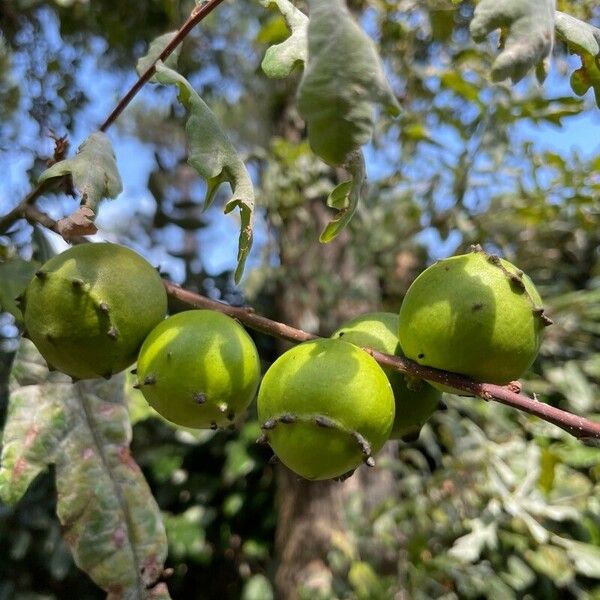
(109, 517)
(345, 198)
(342, 83)
(582, 39)
(93, 169)
(280, 59)
(527, 34)
(215, 159)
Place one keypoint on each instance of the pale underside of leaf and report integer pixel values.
(582, 39)
(345, 198)
(280, 59)
(527, 34)
(93, 170)
(215, 159)
(154, 51)
(109, 517)
(343, 81)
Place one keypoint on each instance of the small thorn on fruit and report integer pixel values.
(112, 333)
(149, 380)
(107, 376)
(41, 275)
(345, 476)
(273, 460)
(270, 424)
(370, 461)
(78, 284)
(287, 419)
(262, 439)
(324, 422)
(222, 407)
(103, 307)
(136, 386)
(213, 426)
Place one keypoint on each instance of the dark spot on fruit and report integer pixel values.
(262, 439)
(273, 460)
(477, 306)
(345, 476)
(213, 426)
(442, 405)
(107, 376)
(77, 283)
(341, 333)
(41, 275)
(149, 380)
(446, 268)
(420, 355)
(199, 397)
(133, 371)
(230, 416)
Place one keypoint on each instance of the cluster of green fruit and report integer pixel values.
(325, 406)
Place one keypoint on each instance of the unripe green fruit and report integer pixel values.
(473, 314)
(89, 309)
(415, 401)
(199, 369)
(325, 407)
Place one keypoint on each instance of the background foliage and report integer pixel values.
(488, 503)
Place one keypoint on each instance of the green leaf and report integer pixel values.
(582, 39)
(585, 557)
(109, 517)
(215, 159)
(15, 275)
(154, 51)
(93, 169)
(280, 60)
(527, 34)
(345, 198)
(342, 83)
(258, 587)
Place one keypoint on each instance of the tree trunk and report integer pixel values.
(324, 291)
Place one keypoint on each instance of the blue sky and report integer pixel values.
(219, 241)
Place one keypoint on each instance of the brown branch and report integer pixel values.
(585, 430)
(197, 14)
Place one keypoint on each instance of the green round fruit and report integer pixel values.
(199, 369)
(415, 400)
(473, 314)
(325, 407)
(89, 309)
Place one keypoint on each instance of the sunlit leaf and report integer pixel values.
(109, 517)
(280, 59)
(343, 81)
(345, 198)
(93, 169)
(215, 159)
(527, 34)
(582, 39)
